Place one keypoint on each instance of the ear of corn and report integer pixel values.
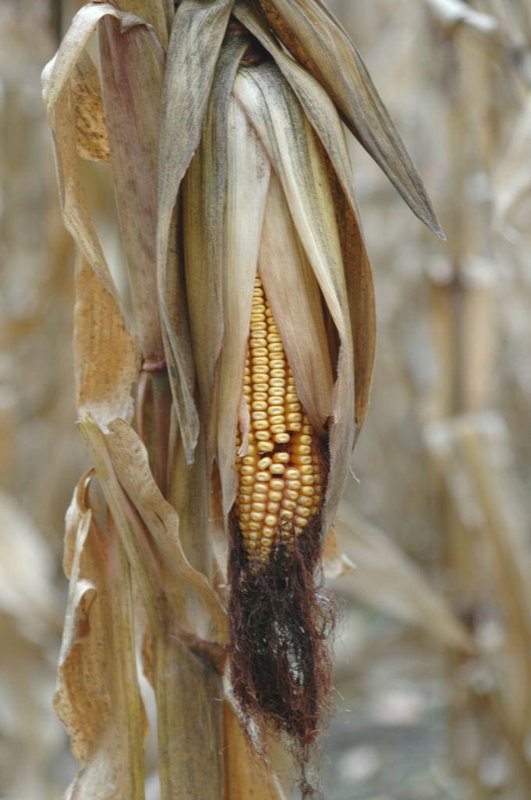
(281, 477)
(291, 145)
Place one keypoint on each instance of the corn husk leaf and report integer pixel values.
(98, 698)
(132, 71)
(193, 51)
(157, 13)
(386, 579)
(290, 143)
(286, 273)
(315, 38)
(106, 360)
(246, 775)
(204, 189)
(57, 78)
(247, 186)
(326, 123)
(360, 291)
(316, 102)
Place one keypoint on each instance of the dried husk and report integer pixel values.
(322, 115)
(247, 186)
(193, 51)
(291, 145)
(286, 273)
(204, 199)
(203, 223)
(158, 13)
(314, 37)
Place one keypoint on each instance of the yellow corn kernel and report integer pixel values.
(281, 476)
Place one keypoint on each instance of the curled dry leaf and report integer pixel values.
(315, 38)
(106, 360)
(132, 71)
(58, 77)
(130, 460)
(97, 697)
(115, 122)
(195, 43)
(179, 605)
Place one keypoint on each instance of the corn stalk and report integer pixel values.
(219, 418)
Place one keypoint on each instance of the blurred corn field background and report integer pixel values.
(433, 653)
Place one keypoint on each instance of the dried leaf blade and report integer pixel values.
(194, 47)
(315, 39)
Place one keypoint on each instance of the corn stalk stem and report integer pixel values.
(189, 722)
(153, 417)
(124, 627)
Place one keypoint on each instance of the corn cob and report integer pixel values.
(281, 483)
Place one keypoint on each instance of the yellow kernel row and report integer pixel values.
(281, 478)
